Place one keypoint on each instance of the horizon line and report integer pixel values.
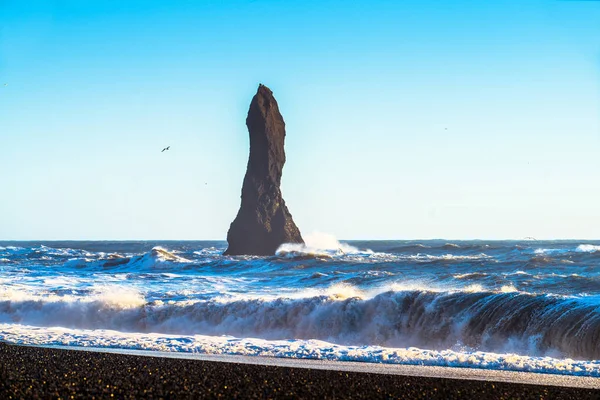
(523, 239)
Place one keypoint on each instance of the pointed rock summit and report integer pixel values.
(263, 222)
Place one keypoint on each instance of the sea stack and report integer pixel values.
(263, 222)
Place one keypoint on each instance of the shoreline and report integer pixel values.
(28, 371)
(477, 374)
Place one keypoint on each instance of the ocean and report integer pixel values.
(506, 305)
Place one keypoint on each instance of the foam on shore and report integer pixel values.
(293, 349)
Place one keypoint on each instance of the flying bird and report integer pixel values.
(166, 148)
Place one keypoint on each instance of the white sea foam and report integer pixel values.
(549, 251)
(587, 248)
(118, 297)
(209, 251)
(300, 349)
(448, 257)
(508, 289)
(469, 275)
(582, 248)
(60, 280)
(108, 295)
(319, 244)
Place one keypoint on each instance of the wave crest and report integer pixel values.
(505, 321)
(318, 244)
(587, 248)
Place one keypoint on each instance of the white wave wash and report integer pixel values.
(582, 248)
(319, 244)
(587, 248)
(300, 349)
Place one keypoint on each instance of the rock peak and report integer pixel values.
(263, 222)
(263, 89)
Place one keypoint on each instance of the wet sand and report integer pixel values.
(35, 372)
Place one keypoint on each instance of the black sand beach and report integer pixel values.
(31, 372)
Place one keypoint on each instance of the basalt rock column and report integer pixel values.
(263, 222)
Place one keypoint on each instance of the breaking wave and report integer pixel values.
(319, 244)
(587, 248)
(505, 321)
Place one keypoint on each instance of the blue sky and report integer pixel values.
(405, 119)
